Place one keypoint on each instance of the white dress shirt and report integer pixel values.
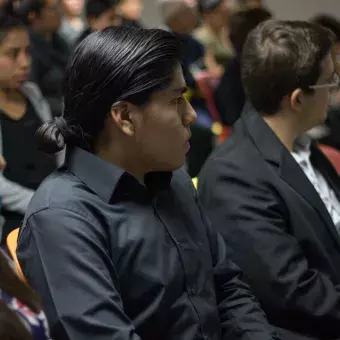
(302, 154)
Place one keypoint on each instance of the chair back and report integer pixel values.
(12, 244)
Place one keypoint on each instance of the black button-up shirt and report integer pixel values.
(113, 259)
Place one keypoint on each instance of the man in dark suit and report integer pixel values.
(274, 195)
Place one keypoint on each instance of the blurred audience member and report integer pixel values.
(72, 24)
(22, 109)
(213, 34)
(181, 16)
(329, 133)
(49, 51)
(229, 95)
(100, 14)
(21, 316)
(271, 192)
(130, 12)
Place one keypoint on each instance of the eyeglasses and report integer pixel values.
(334, 86)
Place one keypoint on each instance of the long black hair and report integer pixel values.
(116, 64)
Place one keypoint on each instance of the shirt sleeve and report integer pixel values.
(241, 315)
(65, 257)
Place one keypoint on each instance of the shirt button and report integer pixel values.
(192, 291)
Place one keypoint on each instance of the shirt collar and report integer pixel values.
(302, 149)
(103, 178)
(302, 143)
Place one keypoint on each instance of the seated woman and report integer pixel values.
(22, 109)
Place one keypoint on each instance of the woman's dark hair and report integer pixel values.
(205, 6)
(8, 20)
(329, 22)
(281, 56)
(117, 64)
(11, 327)
(95, 8)
(29, 6)
(242, 22)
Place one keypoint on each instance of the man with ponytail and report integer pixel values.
(115, 241)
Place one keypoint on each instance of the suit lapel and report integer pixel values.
(275, 153)
(321, 162)
(291, 173)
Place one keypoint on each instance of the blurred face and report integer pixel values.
(73, 8)
(49, 19)
(185, 20)
(314, 108)
(131, 9)
(106, 19)
(15, 60)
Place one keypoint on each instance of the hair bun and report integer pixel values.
(51, 135)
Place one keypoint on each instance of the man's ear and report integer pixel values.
(296, 100)
(121, 114)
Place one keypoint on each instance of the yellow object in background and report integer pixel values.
(195, 182)
(188, 94)
(217, 128)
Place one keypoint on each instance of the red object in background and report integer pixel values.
(207, 84)
(333, 155)
(225, 133)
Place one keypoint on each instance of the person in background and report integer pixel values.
(49, 51)
(72, 23)
(229, 94)
(115, 241)
(272, 193)
(181, 17)
(329, 133)
(21, 315)
(100, 14)
(213, 34)
(22, 110)
(131, 12)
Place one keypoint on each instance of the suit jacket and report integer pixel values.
(277, 225)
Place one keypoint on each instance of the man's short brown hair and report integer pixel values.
(281, 56)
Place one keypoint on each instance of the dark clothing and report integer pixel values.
(192, 56)
(49, 61)
(229, 95)
(132, 23)
(333, 124)
(279, 229)
(82, 36)
(26, 165)
(113, 259)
